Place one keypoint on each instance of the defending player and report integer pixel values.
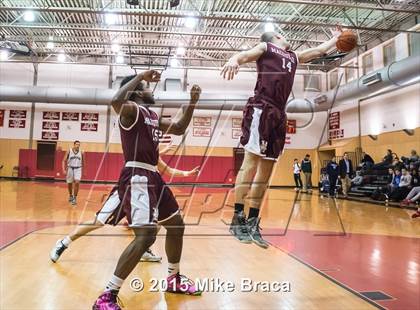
(72, 167)
(145, 198)
(264, 123)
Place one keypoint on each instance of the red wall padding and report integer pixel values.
(107, 166)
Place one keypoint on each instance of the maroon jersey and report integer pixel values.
(140, 142)
(276, 72)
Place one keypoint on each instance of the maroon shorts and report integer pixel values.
(263, 129)
(141, 196)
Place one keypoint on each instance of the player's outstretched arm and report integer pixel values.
(231, 68)
(322, 49)
(178, 128)
(164, 168)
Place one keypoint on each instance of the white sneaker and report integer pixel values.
(57, 251)
(149, 256)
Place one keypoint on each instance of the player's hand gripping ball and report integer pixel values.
(195, 93)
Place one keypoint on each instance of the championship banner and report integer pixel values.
(90, 117)
(236, 122)
(288, 140)
(201, 132)
(2, 117)
(336, 134)
(51, 115)
(291, 126)
(51, 125)
(17, 114)
(49, 135)
(89, 126)
(70, 116)
(334, 120)
(17, 123)
(202, 121)
(236, 133)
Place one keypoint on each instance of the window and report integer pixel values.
(350, 72)
(333, 79)
(311, 82)
(389, 53)
(367, 63)
(414, 44)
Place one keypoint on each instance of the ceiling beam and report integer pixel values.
(348, 4)
(185, 15)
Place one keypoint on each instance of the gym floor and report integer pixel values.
(334, 253)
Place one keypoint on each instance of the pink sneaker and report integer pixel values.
(405, 202)
(182, 285)
(107, 301)
(415, 215)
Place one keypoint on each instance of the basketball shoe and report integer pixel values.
(107, 301)
(149, 256)
(254, 232)
(181, 285)
(238, 228)
(57, 250)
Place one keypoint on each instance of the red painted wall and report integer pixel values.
(214, 169)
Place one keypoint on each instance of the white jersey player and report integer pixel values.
(72, 167)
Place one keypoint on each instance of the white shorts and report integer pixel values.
(109, 207)
(74, 174)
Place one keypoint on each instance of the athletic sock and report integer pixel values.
(173, 269)
(239, 207)
(253, 212)
(114, 284)
(66, 241)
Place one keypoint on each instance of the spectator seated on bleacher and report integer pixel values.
(358, 179)
(386, 161)
(404, 186)
(415, 178)
(414, 159)
(366, 162)
(324, 184)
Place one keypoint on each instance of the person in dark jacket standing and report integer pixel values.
(307, 174)
(333, 173)
(346, 173)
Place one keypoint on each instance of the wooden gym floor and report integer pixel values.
(333, 253)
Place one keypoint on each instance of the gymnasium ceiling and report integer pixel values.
(85, 30)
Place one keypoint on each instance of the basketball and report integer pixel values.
(346, 41)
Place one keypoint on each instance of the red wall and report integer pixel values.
(214, 169)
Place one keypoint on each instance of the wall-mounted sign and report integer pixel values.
(70, 116)
(90, 117)
(291, 126)
(51, 115)
(49, 135)
(236, 122)
(89, 126)
(334, 120)
(201, 132)
(51, 125)
(1, 118)
(202, 121)
(17, 123)
(17, 114)
(336, 134)
(236, 133)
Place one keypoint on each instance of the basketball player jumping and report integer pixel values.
(145, 198)
(72, 168)
(111, 204)
(264, 123)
